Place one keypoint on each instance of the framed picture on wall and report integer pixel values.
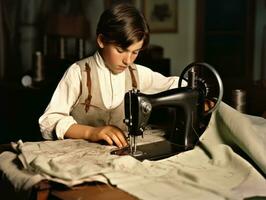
(108, 3)
(161, 15)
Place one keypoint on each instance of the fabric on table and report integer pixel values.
(70, 161)
(214, 169)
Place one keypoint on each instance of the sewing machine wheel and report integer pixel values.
(207, 80)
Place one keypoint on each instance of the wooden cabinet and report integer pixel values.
(225, 40)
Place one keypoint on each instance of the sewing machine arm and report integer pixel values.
(138, 107)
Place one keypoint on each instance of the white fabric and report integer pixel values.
(239, 131)
(212, 170)
(56, 115)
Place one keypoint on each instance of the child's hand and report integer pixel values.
(208, 104)
(111, 134)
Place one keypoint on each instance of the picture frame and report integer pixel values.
(161, 15)
(109, 3)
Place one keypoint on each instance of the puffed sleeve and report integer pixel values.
(151, 82)
(56, 117)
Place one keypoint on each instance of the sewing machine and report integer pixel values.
(204, 85)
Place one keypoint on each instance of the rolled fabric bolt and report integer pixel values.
(39, 76)
(239, 100)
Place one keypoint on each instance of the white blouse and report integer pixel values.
(57, 114)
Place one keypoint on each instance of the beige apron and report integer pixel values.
(90, 109)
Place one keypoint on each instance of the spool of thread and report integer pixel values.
(239, 100)
(38, 68)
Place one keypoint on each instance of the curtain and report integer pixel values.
(263, 56)
(2, 40)
(9, 10)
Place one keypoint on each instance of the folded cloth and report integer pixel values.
(245, 132)
(70, 161)
(212, 170)
(21, 178)
(191, 175)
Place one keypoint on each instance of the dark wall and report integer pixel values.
(21, 109)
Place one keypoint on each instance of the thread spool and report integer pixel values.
(239, 100)
(38, 67)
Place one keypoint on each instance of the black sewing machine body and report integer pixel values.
(138, 108)
(186, 121)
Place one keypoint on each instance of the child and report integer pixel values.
(88, 102)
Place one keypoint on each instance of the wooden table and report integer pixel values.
(86, 191)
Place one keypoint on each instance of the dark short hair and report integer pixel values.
(123, 25)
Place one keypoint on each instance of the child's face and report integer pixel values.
(118, 59)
